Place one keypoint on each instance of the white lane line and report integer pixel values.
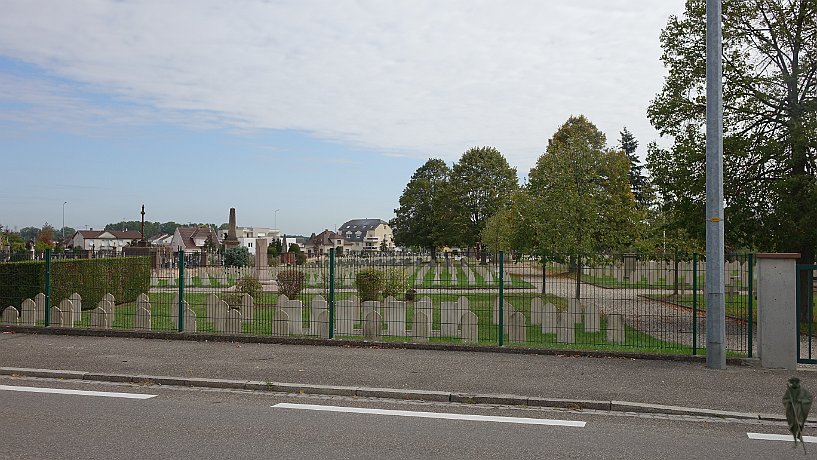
(779, 437)
(441, 415)
(76, 392)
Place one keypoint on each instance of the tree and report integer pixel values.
(770, 123)
(638, 182)
(579, 196)
(421, 220)
(237, 257)
(45, 238)
(482, 182)
(29, 233)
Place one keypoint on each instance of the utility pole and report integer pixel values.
(715, 311)
(63, 219)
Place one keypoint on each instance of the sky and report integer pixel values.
(299, 114)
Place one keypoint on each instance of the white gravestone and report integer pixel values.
(373, 325)
(370, 306)
(67, 309)
(469, 327)
(56, 319)
(76, 300)
(550, 318)
(100, 316)
(421, 326)
(346, 312)
(591, 317)
(280, 323)
(574, 309)
(394, 313)
(317, 306)
(215, 312)
(536, 311)
(247, 308)
(448, 319)
(233, 321)
(294, 310)
(615, 328)
(110, 310)
(141, 319)
(189, 319)
(321, 326)
(11, 316)
(39, 301)
(28, 313)
(516, 328)
(566, 331)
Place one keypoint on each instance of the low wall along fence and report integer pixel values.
(617, 302)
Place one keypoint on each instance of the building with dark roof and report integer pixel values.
(320, 244)
(366, 235)
(104, 240)
(193, 239)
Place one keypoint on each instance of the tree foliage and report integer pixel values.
(421, 220)
(237, 257)
(770, 123)
(482, 182)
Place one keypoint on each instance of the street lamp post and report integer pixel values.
(276, 219)
(63, 219)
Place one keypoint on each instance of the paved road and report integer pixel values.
(187, 423)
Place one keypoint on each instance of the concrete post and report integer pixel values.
(776, 310)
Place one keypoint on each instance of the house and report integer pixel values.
(247, 235)
(366, 235)
(104, 240)
(192, 239)
(320, 244)
(162, 239)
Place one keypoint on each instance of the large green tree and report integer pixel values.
(638, 182)
(482, 182)
(770, 123)
(422, 219)
(580, 197)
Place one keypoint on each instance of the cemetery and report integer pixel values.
(638, 306)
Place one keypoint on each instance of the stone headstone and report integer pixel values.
(214, 311)
(56, 319)
(233, 321)
(109, 297)
(346, 312)
(449, 319)
(536, 311)
(110, 310)
(421, 326)
(141, 318)
(280, 323)
(566, 330)
(517, 332)
(39, 301)
(101, 317)
(67, 309)
(550, 318)
(294, 310)
(615, 328)
(574, 309)
(469, 327)
(373, 325)
(394, 314)
(591, 317)
(370, 306)
(317, 306)
(28, 313)
(205, 280)
(189, 319)
(247, 308)
(76, 300)
(321, 326)
(282, 299)
(10, 316)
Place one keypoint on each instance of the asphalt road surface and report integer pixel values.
(51, 419)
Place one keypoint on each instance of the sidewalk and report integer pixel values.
(745, 388)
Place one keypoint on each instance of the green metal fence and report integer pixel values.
(624, 302)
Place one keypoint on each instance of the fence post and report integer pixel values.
(750, 301)
(501, 298)
(695, 303)
(181, 291)
(331, 293)
(47, 287)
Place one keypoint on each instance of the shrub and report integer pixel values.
(370, 283)
(237, 257)
(249, 285)
(290, 282)
(396, 284)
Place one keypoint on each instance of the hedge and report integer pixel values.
(124, 277)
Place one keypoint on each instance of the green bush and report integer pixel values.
(396, 284)
(249, 285)
(237, 257)
(290, 282)
(370, 284)
(124, 277)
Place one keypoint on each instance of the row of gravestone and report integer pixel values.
(66, 314)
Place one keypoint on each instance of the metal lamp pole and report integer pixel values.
(276, 219)
(715, 310)
(63, 219)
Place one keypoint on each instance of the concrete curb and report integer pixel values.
(244, 338)
(388, 393)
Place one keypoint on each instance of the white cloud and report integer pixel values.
(416, 78)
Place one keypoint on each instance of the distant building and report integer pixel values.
(366, 235)
(247, 235)
(320, 244)
(163, 239)
(104, 240)
(192, 239)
